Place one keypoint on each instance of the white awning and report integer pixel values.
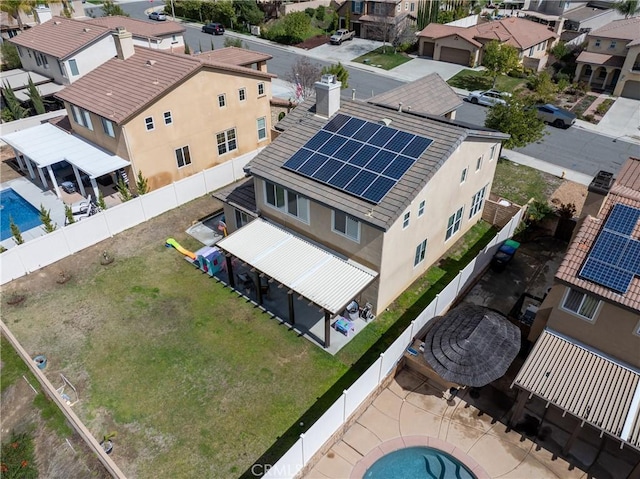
(541, 16)
(47, 144)
(45, 89)
(19, 78)
(318, 275)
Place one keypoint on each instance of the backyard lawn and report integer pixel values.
(518, 183)
(476, 80)
(383, 57)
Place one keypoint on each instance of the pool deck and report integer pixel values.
(411, 412)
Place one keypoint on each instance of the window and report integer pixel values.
(346, 225)
(413, 7)
(75, 112)
(531, 51)
(226, 141)
(453, 225)
(19, 50)
(73, 65)
(597, 44)
(222, 101)
(287, 201)
(168, 120)
(149, 123)
(612, 45)
(379, 9)
(405, 220)
(476, 202)
(356, 7)
(260, 89)
(421, 208)
(38, 60)
(637, 330)
(588, 70)
(63, 70)
(493, 152)
(107, 126)
(45, 61)
(81, 117)
(581, 304)
(87, 119)
(478, 163)
(262, 128)
(183, 157)
(420, 252)
(540, 46)
(242, 218)
(463, 175)
(242, 94)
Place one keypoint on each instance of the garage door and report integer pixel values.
(631, 89)
(427, 49)
(454, 55)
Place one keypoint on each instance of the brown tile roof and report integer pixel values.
(60, 37)
(429, 94)
(625, 190)
(625, 29)
(437, 30)
(275, 101)
(62, 122)
(139, 28)
(234, 56)
(600, 59)
(118, 88)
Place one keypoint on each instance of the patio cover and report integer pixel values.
(19, 78)
(47, 144)
(541, 16)
(327, 280)
(45, 89)
(585, 383)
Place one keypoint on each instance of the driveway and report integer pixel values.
(422, 66)
(345, 52)
(622, 119)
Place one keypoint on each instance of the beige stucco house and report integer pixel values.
(611, 60)
(464, 45)
(586, 357)
(10, 25)
(377, 19)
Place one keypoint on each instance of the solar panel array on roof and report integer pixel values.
(358, 157)
(614, 259)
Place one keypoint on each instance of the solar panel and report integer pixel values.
(622, 219)
(609, 247)
(607, 275)
(359, 157)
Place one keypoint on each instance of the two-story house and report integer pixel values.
(611, 60)
(378, 19)
(384, 189)
(586, 357)
(465, 45)
(16, 19)
(569, 15)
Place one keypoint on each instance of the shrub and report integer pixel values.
(589, 118)
(603, 107)
(15, 231)
(18, 457)
(234, 42)
(560, 51)
(310, 12)
(321, 12)
(45, 216)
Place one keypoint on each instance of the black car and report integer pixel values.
(213, 28)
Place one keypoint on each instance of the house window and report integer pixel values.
(107, 126)
(581, 304)
(405, 219)
(149, 123)
(421, 208)
(81, 117)
(587, 70)
(226, 141)
(222, 101)
(612, 45)
(168, 120)
(262, 128)
(413, 7)
(492, 153)
(453, 225)
(478, 163)
(62, 69)
(242, 218)
(597, 43)
(75, 113)
(38, 60)
(242, 94)
(356, 7)
(477, 201)
(73, 65)
(260, 89)
(379, 9)
(463, 175)
(421, 249)
(183, 157)
(287, 201)
(531, 51)
(45, 61)
(346, 225)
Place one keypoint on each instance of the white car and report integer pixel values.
(488, 97)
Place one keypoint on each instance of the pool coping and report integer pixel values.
(402, 442)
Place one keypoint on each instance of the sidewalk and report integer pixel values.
(558, 171)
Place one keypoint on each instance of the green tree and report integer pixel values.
(321, 13)
(222, 12)
(248, 12)
(347, 17)
(110, 9)
(14, 109)
(627, 7)
(123, 191)
(10, 58)
(47, 222)
(234, 42)
(15, 7)
(341, 73)
(544, 87)
(499, 58)
(15, 231)
(142, 184)
(101, 203)
(296, 26)
(36, 99)
(68, 214)
(517, 119)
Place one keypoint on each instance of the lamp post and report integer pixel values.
(173, 13)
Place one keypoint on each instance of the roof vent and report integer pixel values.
(150, 63)
(328, 79)
(400, 106)
(57, 22)
(86, 29)
(120, 29)
(385, 121)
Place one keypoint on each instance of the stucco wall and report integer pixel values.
(605, 43)
(454, 41)
(627, 73)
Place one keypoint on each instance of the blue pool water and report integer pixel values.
(418, 463)
(23, 214)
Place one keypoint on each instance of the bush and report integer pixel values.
(560, 51)
(321, 12)
(588, 118)
(310, 12)
(18, 457)
(603, 107)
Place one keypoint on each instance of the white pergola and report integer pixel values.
(45, 145)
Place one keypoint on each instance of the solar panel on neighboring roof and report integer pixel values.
(614, 259)
(358, 157)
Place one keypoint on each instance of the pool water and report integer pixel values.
(14, 206)
(418, 463)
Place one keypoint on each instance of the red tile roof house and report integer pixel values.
(464, 46)
(586, 357)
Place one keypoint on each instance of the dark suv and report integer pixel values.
(213, 28)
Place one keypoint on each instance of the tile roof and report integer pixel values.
(239, 195)
(625, 29)
(514, 31)
(234, 56)
(581, 14)
(60, 37)
(429, 94)
(600, 59)
(625, 190)
(118, 88)
(302, 123)
(139, 28)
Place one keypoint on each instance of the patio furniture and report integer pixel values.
(344, 326)
(68, 187)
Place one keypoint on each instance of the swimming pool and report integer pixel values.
(14, 206)
(416, 463)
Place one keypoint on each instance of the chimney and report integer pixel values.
(327, 96)
(124, 43)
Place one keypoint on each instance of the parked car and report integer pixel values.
(341, 35)
(158, 16)
(213, 28)
(556, 116)
(488, 97)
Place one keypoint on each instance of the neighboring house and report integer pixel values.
(570, 15)
(160, 35)
(586, 359)
(378, 19)
(429, 95)
(464, 46)
(371, 194)
(611, 60)
(9, 26)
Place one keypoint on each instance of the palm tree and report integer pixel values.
(627, 7)
(15, 7)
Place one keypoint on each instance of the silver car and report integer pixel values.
(558, 117)
(488, 97)
(158, 16)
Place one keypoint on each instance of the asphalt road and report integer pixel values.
(574, 149)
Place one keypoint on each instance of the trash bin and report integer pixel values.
(353, 310)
